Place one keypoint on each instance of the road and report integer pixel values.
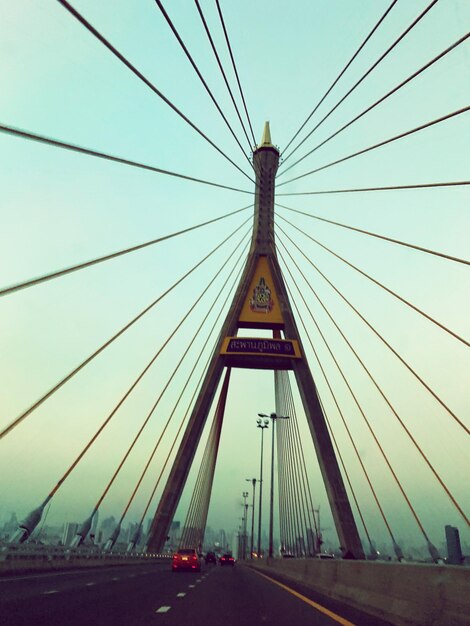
(139, 595)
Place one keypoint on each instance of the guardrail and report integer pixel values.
(31, 558)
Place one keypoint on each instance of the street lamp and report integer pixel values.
(261, 423)
(245, 518)
(273, 417)
(253, 481)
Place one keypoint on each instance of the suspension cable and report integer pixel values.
(18, 132)
(367, 232)
(222, 21)
(353, 443)
(333, 84)
(177, 367)
(382, 99)
(175, 439)
(303, 465)
(124, 398)
(405, 428)
(390, 188)
(219, 63)
(73, 268)
(400, 358)
(200, 76)
(188, 379)
(107, 343)
(397, 481)
(381, 143)
(379, 284)
(145, 80)
(373, 66)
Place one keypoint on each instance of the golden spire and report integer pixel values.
(266, 139)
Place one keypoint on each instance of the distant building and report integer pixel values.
(70, 530)
(454, 549)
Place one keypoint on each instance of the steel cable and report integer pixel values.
(333, 84)
(219, 63)
(175, 370)
(382, 99)
(18, 132)
(397, 481)
(107, 343)
(124, 398)
(73, 268)
(366, 189)
(200, 76)
(188, 379)
(346, 473)
(383, 237)
(401, 422)
(357, 83)
(145, 80)
(379, 284)
(407, 133)
(222, 21)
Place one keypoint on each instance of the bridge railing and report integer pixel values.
(31, 558)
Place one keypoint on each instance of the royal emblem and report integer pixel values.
(261, 302)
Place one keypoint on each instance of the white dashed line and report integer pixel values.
(191, 586)
(115, 578)
(48, 593)
(90, 584)
(163, 609)
(180, 595)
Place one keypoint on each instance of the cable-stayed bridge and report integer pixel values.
(145, 309)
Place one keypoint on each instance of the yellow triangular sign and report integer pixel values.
(261, 307)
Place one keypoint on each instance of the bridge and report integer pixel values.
(284, 380)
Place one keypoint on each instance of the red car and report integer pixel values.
(227, 559)
(186, 559)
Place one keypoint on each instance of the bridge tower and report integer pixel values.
(260, 301)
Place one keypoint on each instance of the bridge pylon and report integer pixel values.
(260, 302)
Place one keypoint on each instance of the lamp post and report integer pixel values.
(253, 482)
(273, 418)
(261, 423)
(245, 516)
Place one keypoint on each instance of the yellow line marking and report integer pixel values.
(315, 605)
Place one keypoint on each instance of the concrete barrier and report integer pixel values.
(405, 594)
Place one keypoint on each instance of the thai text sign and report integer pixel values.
(260, 346)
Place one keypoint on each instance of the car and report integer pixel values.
(227, 559)
(186, 559)
(211, 558)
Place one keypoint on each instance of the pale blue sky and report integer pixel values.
(58, 208)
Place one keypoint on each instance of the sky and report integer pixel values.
(58, 208)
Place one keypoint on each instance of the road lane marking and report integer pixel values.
(191, 586)
(48, 593)
(52, 574)
(90, 584)
(163, 609)
(315, 605)
(180, 595)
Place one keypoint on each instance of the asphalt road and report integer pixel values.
(152, 594)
